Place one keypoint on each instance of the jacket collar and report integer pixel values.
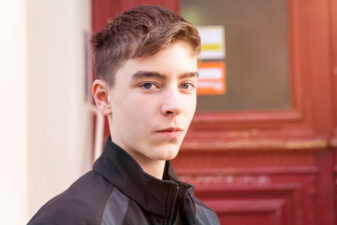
(152, 194)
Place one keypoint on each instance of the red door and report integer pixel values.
(268, 166)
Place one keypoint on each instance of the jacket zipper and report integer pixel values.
(174, 202)
(193, 204)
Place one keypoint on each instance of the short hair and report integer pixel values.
(139, 32)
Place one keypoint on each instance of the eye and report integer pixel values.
(149, 86)
(187, 86)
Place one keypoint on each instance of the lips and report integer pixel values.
(171, 129)
(171, 132)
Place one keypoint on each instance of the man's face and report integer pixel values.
(153, 101)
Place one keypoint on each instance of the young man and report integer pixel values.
(146, 67)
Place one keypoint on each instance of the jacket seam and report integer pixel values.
(107, 202)
(202, 205)
(127, 209)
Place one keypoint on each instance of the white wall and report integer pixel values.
(13, 113)
(45, 124)
(59, 128)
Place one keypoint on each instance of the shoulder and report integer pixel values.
(82, 203)
(205, 214)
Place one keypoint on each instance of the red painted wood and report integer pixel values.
(335, 179)
(102, 11)
(259, 211)
(319, 62)
(172, 5)
(333, 29)
(150, 2)
(127, 4)
(333, 10)
(325, 183)
(247, 184)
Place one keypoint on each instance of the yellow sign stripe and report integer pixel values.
(211, 47)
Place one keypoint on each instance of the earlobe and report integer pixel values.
(101, 97)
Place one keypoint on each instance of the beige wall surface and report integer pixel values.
(13, 112)
(45, 121)
(59, 128)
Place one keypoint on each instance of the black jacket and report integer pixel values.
(118, 192)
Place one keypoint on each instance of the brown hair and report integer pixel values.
(139, 32)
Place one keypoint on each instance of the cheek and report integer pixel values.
(136, 111)
(191, 104)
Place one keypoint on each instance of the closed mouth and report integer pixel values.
(171, 132)
(171, 129)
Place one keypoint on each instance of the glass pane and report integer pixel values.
(256, 52)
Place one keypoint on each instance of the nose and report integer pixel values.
(172, 103)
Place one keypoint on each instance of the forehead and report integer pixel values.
(176, 59)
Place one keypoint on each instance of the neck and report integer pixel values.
(153, 167)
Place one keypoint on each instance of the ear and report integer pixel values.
(100, 91)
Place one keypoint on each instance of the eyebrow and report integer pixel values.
(153, 74)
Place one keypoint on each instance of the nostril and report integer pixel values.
(171, 106)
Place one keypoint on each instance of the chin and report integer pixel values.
(168, 152)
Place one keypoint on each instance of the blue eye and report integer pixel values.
(186, 86)
(149, 86)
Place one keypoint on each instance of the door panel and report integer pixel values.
(256, 52)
